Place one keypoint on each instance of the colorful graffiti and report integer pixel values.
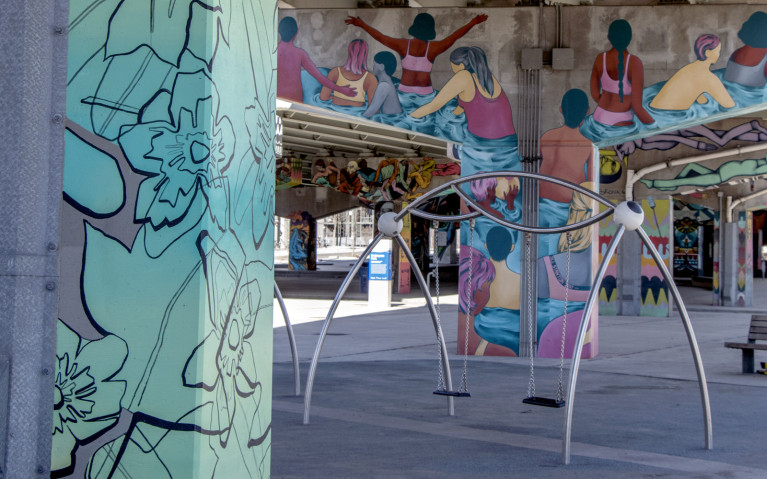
(302, 247)
(289, 172)
(653, 288)
(744, 258)
(686, 247)
(374, 180)
(164, 334)
(609, 303)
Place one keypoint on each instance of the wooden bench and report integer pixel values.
(756, 332)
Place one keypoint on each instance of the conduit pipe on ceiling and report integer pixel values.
(731, 205)
(634, 176)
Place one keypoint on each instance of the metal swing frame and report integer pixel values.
(476, 211)
(291, 339)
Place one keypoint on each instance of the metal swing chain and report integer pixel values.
(435, 244)
(469, 300)
(560, 387)
(529, 283)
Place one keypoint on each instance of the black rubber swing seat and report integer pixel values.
(458, 394)
(541, 401)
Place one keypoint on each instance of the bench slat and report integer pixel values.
(758, 329)
(761, 347)
(757, 337)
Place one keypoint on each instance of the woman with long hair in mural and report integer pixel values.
(354, 74)
(693, 81)
(747, 65)
(419, 52)
(480, 96)
(492, 143)
(291, 60)
(617, 81)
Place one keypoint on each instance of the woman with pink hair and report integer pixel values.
(482, 274)
(353, 74)
(693, 81)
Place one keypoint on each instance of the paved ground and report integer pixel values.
(637, 409)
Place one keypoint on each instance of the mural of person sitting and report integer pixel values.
(498, 321)
(385, 98)
(290, 61)
(418, 53)
(390, 175)
(480, 96)
(747, 65)
(354, 74)
(325, 175)
(617, 81)
(566, 154)
(693, 81)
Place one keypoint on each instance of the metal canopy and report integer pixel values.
(309, 131)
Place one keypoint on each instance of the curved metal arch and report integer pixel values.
(479, 210)
(334, 306)
(291, 339)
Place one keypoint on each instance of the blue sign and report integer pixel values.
(379, 266)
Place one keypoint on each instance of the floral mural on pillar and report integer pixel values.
(164, 338)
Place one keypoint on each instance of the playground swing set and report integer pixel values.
(627, 215)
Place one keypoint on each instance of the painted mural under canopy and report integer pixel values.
(165, 336)
(473, 109)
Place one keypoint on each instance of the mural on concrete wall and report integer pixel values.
(165, 335)
(744, 258)
(685, 245)
(608, 290)
(302, 248)
(688, 97)
(289, 172)
(373, 180)
(653, 288)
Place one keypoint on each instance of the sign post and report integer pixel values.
(380, 277)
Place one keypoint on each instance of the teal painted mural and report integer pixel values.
(165, 325)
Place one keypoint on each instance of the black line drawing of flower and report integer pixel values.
(86, 398)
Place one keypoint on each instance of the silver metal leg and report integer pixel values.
(690, 337)
(578, 349)
(437, 326)
(326, 325)
(291, 338)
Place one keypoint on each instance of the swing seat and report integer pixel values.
(458, 394)
(541, 401)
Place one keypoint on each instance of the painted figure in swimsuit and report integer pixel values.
(354, 74)
(568, 155)
(418, 53)
(617, 81)
(689, 84)
(291, 60)
(480, 96)
(385, 98)
(748, 64)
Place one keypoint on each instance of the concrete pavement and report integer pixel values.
(637, 408)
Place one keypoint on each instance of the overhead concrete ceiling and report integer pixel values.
(314, 132)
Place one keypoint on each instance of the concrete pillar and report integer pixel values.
(164, 347)
(736, 265)
(302, 246)
(629, 281)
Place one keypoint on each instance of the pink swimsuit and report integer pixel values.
(488, 117)
(416, 64)
(613, 86)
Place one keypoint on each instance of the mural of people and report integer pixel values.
(354, 74)
(418, 53)
(617, 81)
(385, 98)
(566, 154)
(480, 96)
(498, 321)
(325, 174)
(390, 175)
(693, 81)
(747, 65)
(291, 60)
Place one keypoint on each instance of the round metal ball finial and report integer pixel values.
(629, 214)
(388, 225)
